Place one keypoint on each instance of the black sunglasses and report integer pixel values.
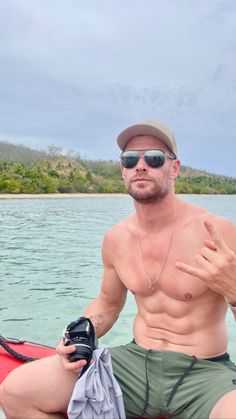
(154, 158)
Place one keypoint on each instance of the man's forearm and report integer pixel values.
(102, 315)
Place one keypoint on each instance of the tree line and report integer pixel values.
(60, 174)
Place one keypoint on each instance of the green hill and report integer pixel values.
(24, 170)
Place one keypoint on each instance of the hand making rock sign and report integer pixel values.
(216, 265)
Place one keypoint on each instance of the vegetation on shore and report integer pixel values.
(23, 170)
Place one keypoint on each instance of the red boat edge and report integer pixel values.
(29, 349)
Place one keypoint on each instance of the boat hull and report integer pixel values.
(33, 350)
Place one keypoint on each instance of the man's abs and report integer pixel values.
(181, 335)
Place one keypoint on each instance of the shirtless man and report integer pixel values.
(179, 261)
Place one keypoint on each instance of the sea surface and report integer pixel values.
(50, 263)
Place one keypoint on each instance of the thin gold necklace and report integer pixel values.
(156, 279)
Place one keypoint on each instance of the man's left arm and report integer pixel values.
(216, 262)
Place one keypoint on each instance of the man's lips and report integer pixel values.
(141, 179)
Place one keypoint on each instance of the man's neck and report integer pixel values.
(157, 215)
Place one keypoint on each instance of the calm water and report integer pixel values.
(51, 264)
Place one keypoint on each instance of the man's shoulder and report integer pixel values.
(220, 222)
(224, 226)
(122, 227)
(196, 214)
(115, 238)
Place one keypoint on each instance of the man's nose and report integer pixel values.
(141, 166)
(141, 169)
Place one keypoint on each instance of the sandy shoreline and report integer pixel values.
(57, 195)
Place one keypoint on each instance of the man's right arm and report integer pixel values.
(105, 309)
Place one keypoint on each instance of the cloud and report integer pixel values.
(75, 73)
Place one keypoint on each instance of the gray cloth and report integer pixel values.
(97, 394)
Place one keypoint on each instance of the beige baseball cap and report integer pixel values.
(153, 128)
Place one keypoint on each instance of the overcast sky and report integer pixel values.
(74, 73)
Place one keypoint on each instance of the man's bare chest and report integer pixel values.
(152, 267)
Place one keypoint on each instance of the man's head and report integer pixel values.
(148, 162)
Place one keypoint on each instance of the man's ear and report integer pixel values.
(121, 169)
(175, 169)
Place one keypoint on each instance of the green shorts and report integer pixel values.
(164, 382)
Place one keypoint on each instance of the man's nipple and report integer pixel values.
(188, 296)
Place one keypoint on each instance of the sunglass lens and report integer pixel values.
(129, 160)
(155, 158)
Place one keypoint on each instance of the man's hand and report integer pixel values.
(64, 352)
(216, 265)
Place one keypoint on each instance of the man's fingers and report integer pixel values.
(216, 236)
(200, 273)
(210, 244)
(76, 366)
(214, 263)
(63, 350)
(209, 255)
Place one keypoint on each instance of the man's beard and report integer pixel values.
(158, 190)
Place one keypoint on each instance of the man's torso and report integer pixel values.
(178, 312)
